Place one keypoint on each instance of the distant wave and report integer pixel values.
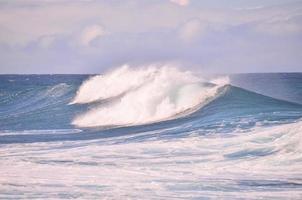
(143, 95)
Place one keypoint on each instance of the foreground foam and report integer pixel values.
(143, 95)
(262, 163)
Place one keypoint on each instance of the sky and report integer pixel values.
(92, 36)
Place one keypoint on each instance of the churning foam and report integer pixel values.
(141, 95)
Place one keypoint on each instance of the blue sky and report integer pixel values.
(90, 36)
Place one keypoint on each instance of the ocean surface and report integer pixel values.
(155, 133)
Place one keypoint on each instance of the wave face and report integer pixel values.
(150, 133)
(140, 96)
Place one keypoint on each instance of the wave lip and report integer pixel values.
(140, 96)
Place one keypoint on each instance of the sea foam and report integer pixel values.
(142, 95)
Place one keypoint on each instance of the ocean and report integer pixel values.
(154, 133)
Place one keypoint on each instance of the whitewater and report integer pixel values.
(151, 132)
(140, 96)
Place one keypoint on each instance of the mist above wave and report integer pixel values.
(142, 95)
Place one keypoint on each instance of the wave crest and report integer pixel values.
(142, 95)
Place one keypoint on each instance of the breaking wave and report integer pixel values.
(132, 96)
(240, 142)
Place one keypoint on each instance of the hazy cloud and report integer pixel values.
(181, 2)
(90, 33)
(90, 36)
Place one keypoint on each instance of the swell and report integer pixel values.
(46, 107)
(234, 110)
(33, 98)
(240, 108)
(36, 106)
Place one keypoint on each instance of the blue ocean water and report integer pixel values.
(242, 143)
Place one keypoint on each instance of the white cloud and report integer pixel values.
(181, 2)
(90, 33)
(195, 29)
(148, 31)
(191, 30)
